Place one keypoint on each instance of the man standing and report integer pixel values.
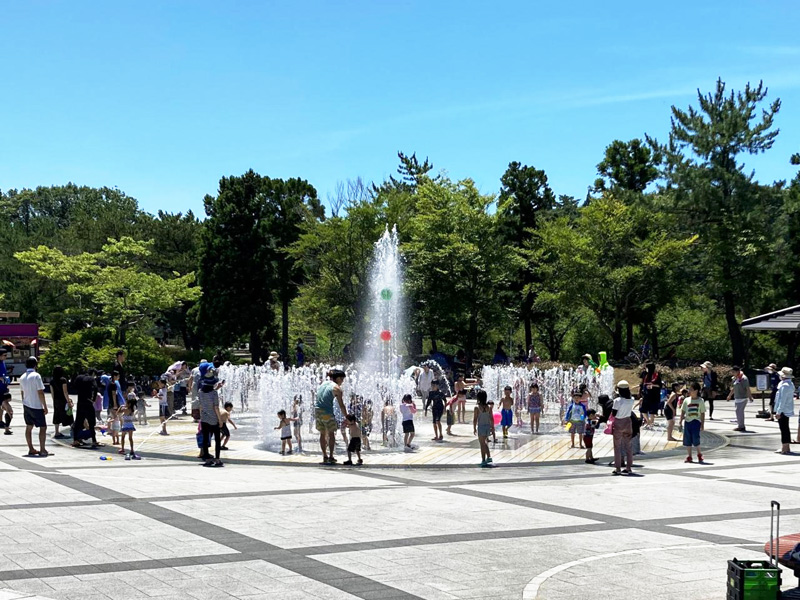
(86, 385)
(120, 368)
(774, 382)
(740, 392)
(195, 379)
(34, 406)
(709, 387)
(325, 419)
(5, 405)
(424, 383)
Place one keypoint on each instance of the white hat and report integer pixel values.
(707, 365)
(786, 373)
(623, 385)
(273, 355)
(771, 367)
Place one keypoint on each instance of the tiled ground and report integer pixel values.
(74, 527)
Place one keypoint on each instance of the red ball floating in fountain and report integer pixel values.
(386, 335)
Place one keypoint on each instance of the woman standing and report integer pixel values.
(61, 400)
(622, 428)
(462, 399)
(784, 408)
(650, 391)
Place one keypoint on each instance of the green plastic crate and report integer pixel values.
(753, 580)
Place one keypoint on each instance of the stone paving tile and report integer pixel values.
(341, 518)
(650, 504)
(42, 538)
(21, 488)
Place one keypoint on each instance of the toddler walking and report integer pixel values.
(407, 410)
(355, 440)
(285, 425)
(128, 411)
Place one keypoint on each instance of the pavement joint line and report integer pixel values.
(339, 578)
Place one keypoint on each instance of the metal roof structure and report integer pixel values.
(787, 319)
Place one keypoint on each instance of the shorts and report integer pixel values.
(535, 411)
(691, 433)
(669, 414)
(126, 428)
(506, 417)
(354, 445)
(437, 415)
(577, 427)
(34, 416)
(225, 432)
(408, 426)
(325, 422)
(588, 441)
(484, 430)
(163, 411)
(288, 437)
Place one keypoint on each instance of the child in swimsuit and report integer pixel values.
(534, 406)
(285, 425)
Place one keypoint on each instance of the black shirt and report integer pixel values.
(86, 387)
(437, 399)
(123, 383)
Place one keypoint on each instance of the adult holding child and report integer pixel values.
(323, 413)
(784, 407)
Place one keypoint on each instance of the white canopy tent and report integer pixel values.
(787, 319)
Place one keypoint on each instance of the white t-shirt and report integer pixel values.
(31, 383)
(405, 410)
(424, 380)
(623, 406)
(162, 397)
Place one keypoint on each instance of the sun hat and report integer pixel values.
(786, 373)
(589, 356)
(771, 367)
(623, 385)
(707, 364)
(273, 355)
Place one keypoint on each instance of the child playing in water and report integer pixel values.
(224, 419)
(506, 410)
(114, 427)
(366, 423)
(588, 435)
(285, 425)
(482, 426)
(355, 440)
(490, 404)
(576, 417)
(163, 406)
(388, 423)
(450, 411)
(142, 410)
(407, 410)
(534, 406)
(436, 401)
(128, 411)
(297, 414)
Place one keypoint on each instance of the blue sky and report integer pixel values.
(162, 99)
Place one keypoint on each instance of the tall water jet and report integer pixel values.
(385, 323)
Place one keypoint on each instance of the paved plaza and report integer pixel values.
(75, 527)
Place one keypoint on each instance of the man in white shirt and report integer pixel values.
(424, 383)
(34, 406)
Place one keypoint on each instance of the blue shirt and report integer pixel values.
(784, 398)
(324, 403)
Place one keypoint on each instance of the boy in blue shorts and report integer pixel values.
(506, 410)
(693, 413)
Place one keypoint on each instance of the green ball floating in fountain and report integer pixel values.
(386, 294)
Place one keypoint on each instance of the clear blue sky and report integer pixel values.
(162, 98)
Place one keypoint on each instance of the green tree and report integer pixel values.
(601, 263)
(111, 287)
(630, 166)
(455, 265)
(524, 196)
(716, 198)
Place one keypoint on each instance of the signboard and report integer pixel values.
(310, 339)
(762, 382)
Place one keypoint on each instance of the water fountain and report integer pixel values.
(376, 381)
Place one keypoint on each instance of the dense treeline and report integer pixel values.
(675, 243)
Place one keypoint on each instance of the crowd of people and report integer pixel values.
(114, 403)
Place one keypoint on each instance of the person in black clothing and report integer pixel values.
(120, 368)
(606, 404)
(436, 401)
(86, 387)
(709, 387)
(650, 392)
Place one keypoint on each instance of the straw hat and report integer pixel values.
(623, 385)
(786, 373)
(771, 368)
(707, 365)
